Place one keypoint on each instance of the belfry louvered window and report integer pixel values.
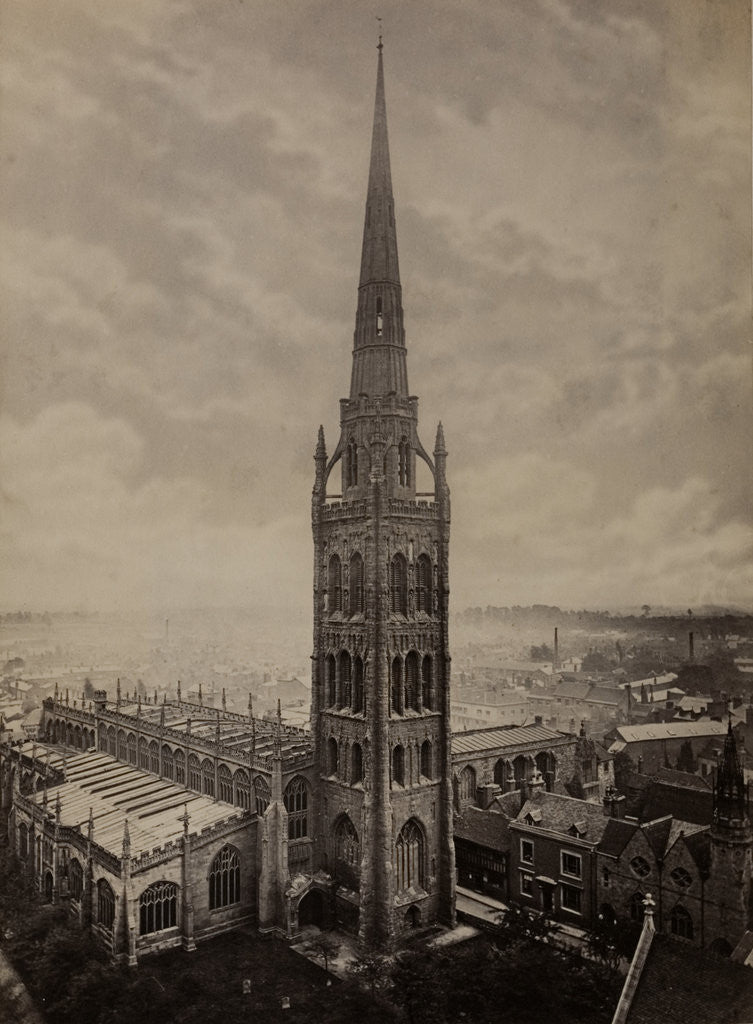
(424, 602)
(335, 585)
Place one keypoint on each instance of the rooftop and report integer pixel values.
(476, 740)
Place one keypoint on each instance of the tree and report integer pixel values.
(522, 926)
(624, 768)
(324, 946)
(542, 653)
(686, 762)
(372, 970)
(646, 609)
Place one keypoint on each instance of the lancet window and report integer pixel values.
(409, 857)
(225, 879)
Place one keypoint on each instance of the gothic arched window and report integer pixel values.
(241, 789)
(23, 841)
(335, 585)
(331, 679)
(356, 763)
(225, 780)
(262, 794)
(158, 907)
(105, 905)
(122, 746)
(411, 681)
(681, 922)
(355, 582)
(225, 879)
(194, 773)
(409, 857)
(112, 741)
(207, 777)
(75, 879)
(357, 685)
(347, 853)
(346, 686)
(143, 754)
(168, 768)
(398, 765)
(500, 773)
(296, 801)
(424, 585)
(467, 785)
(352, 464)
(427, 687)
(132, 758)
(426, 765)
(180, 767)
(331, 756)
(154, 757)
(396, 686)
(399, 585)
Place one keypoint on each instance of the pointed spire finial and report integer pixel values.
(439, 446)
(185, 819)
(58, 807)
(380, 44)
(277, 737)
(126, 841)
(179, 691)
(224, 700)
(201, 698)
(90, 826)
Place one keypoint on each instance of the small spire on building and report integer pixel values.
(648, 906)
(185, 818)
(117, 694)
(58, 807)
(439, 445)
(201, 698)
(224, 700)
(90, 826)
(277, 737)
(179, 691)
(126, 841)
(162, 716)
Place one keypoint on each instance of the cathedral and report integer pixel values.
(164, 823)
(160, 823)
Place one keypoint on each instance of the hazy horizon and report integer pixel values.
(181, 226)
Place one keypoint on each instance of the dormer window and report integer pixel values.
(379, 316)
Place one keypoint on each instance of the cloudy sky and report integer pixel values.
(181, 214)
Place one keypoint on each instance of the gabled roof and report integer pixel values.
(668, 730)
(572, 690)
(566, 815)
(617, 835)
(657, 833)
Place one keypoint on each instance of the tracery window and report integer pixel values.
(225, 879)
(640, 867)
(103, 739)
(399, 585)
(143, 755)
(132, 749)
(335, 585)
(168, 766)
(243, 792)
(424, 588)
(467, 785)
(262, 794)
(355, 582)
(158, 907)
(207, 777)
(194, 773)
(398, 765)
(409, 857)
(154, 757)
(681, 922)
(122, 746)
(112, 741)
(75, 879)
(681, 877)
(105, 904)
(296, 801)
(347, 853)
(225, 780)
(180, 767)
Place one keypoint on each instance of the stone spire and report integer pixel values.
(730, 796)
(379, 365)
(126, 841)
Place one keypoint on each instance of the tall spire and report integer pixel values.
(379, 343)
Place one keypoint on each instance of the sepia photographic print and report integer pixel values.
(376, 564)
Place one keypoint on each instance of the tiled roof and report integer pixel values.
(476, 740)
(572, 690)
(561, 813)
(686, 780)
(657, 834)
(617, 835)
(681, 984)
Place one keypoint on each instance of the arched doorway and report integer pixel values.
(311, 909)
(412, 918)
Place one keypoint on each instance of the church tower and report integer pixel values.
(380, 704)
(729, 887)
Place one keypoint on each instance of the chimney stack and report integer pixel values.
(556, 663)
(691, 647)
